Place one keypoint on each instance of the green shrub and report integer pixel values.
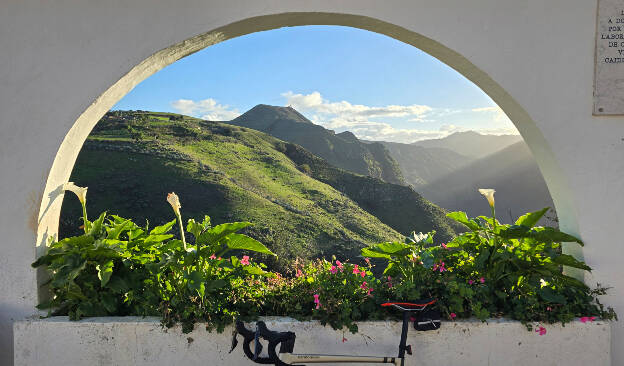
(119, 268)
(494, 270)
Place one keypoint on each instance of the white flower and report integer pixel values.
(81, 192)
(174, 201)
(420, 237)
(489, 194)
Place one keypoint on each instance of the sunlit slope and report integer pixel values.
(342, 150)
(228, 172)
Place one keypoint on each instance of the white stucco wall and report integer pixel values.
(62, 65)
(142, 342)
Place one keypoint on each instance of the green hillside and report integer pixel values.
(422, 165)
(133, 159)
(342, 150)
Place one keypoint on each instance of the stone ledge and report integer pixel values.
(142, 341)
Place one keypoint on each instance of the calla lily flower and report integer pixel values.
(489, 195)
(174, 201)
(81, 192)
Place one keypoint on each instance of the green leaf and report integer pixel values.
(218, 232)
(105, 271)
(162, 229)
(216, 284)
(549, 234)
(155, 238)
(240, 241)
(462, 218)
(194, 228)
(117, 229)
(482, 258)
(549, 295)
(530, 219)
(195, 281)
(119, 285)
(96, 226)
(570, 261)
(386, 250)
(515, 232)
(109, 302)
(253, 270)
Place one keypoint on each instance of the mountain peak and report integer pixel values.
(266, 115)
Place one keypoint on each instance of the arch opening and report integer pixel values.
(68, 151)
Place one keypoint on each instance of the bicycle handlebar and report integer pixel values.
(286, 341)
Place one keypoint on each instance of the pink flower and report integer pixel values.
(339, 264)
(549, 309)
(453, 316)
(355, 269)
(482, 280)
(444, 246)
(219, 258)
(585, 319)
(369, 291)
(333, 270)
(541, 331)
(439, 267)
(299, 273)
(470, 282)
(364, 285)
(367, 260)
(245, 260)
(317, 301)
(362, 274)
(213, 257)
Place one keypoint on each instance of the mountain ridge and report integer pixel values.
(342, 150)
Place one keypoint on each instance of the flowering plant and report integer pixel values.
(494, 269)
(119, 268)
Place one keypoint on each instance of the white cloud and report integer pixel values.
(357, 118)
(496, 111)
(315, 103)
(486, 109)
(208, 109)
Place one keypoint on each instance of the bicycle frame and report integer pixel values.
(286, 340)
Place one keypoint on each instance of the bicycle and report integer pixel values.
(426, 319)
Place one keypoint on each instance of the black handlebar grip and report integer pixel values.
(249, 337)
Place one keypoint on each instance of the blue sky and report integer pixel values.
(341, 78)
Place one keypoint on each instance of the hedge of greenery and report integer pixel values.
(119, 268)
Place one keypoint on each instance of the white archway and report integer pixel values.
(62, 66)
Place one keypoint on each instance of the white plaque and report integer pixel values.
(609, 65)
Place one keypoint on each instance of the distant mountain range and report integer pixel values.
(342, 150)
(421, 165)
(301, 205)
(471, 144)
(512, 172)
